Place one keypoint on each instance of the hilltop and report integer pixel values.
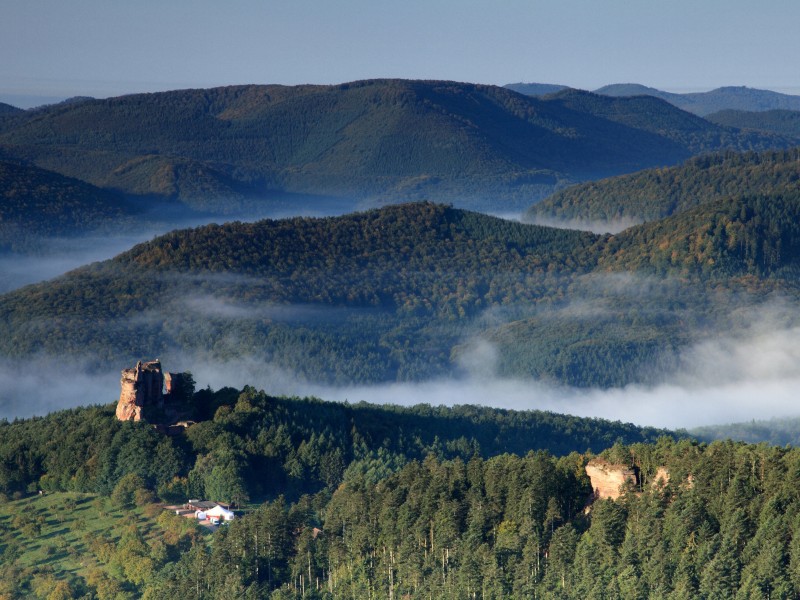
(705, 103)
(418, 291)
(8, 110)
(739, 98)
(535, 89)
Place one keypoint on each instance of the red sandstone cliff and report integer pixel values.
(608, 480)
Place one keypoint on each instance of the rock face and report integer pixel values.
(608, 479)
(140, 386)
(662, 477)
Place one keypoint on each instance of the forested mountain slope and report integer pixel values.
(660, 118)
(657, 193)
(752, 235)
(8, 110)
(372, 501)
(419, 291)
(366, 297)
(379, 140)
(35, 203)
(783, 122)
(278, 445)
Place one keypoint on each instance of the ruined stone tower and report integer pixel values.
(140, 386)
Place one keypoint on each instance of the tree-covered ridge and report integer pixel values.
(777, 431)
(661, 118)
(783, 122)
(719, 520)
(375, 296)
(751, 235)
(413, 237)
(706, 103)
(378, 139)
(266, 445)
(413, 292)
(7, 110)
(383, 501)
(656, 193)
(39, 203)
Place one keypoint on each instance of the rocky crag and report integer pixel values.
(610, 480)
(143, 387)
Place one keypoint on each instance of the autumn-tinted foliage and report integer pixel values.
(413, 291)
(657, 193)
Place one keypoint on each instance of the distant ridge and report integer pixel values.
(374, 141)
(705, 103)
(650, 114)
(535, 89)
(782, 122)
(35, 203)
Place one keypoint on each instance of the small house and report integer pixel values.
(220, 513)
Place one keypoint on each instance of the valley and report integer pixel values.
(399, 392)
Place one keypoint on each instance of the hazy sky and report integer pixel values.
(102, 48)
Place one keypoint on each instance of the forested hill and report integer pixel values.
(783, 122)
(384, 294)
(660, 118)
(379, 139)
(266, 453)
(342, 501)
(8, 110)
(656, 193)
(751, 235)
(36, 203)
(420, 291)
(281, 445)
(412, 238)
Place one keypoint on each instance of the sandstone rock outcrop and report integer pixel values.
(140, 386)
(608, 480)
(661, 478)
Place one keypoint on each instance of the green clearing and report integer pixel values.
(85, 546)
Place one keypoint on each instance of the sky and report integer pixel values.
(55, 49)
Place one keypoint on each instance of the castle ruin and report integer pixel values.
(143, 387)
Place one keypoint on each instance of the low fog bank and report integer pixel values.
(612, 226)
(669, 406)
(61, 255)
(37, 386)
(56, 256)
(722, 381)
(694, 398)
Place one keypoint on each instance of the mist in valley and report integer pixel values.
(749, 376)
(747, 372)
(51, 257)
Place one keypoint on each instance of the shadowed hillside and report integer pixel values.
(35, 203)
(380, 140)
